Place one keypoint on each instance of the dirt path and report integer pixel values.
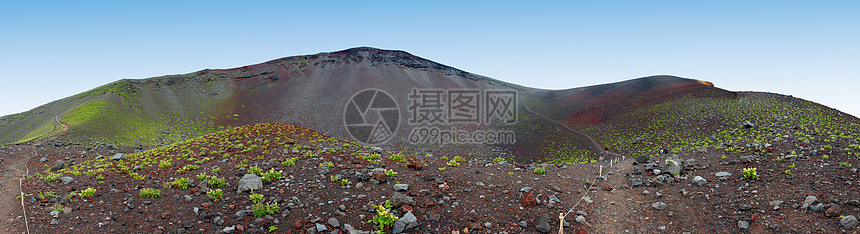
(614, 211)
(65, 127)
(11, 171)
(593, 142)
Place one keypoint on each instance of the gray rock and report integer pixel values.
(580, 219)
(55, 213)
(377, 150)
(808, 201)
(674, 165)
(333, 222)
(523, 224)
(43, 159)
(361, 177)
(230, 229)
(743, 224)
(636, 182)
(323, 169)
(320, 227)
(554, 198)
(658, 205)
(119, 156)
(542, 223)
(249, 182)
(351, 230)
(525, 189)
(67, 180)
(54, 222)
(748, 124)
(57, 165)
(401, 223)
(643, 158)
(817, 207)
(848, 221)
(699, 180)
(722, 174)
(311, 230)
(401, 187)
(399, 199)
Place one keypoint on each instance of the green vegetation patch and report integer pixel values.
(83, 113)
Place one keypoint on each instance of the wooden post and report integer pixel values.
(560, 223)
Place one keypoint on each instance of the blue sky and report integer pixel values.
(809, 49)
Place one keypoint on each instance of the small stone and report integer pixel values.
(808, 201)
(723, 174)
(580, 219)
(833, 211)
(401, 187)
(525, 189)
(743, 224)
(848, 221)
(542, 223)
(333, 222)
(636, 183)
(658, 205)
(55, 214)
(54, 222)
(118, 157)
(323, 169)
(43, 159)
(230, 229)
(380, 176)
(320, 227)
(699, 180)
(67, 180)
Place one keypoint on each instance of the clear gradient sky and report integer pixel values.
(809, 49)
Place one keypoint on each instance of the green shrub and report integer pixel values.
(88, 193)
(459, 159)
(540, 171)
(453, 163)
(215, 194)
(499, 159)
(149, 192)
(255, 197)
(273, 175)
(390, 173)
(383, 218)
(181, 183)
(750, 173)
(290, 161)
(216, 182)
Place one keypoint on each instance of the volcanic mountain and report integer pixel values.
(371, 96)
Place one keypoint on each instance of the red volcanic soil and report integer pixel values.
(478, 196)
(582, 107)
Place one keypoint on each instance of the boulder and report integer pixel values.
(848, 221)
(58, 165)
(643, 158)
(118, 157)
(402, 223)
(542, 223)
(399, 199)
(249, 182)
(674, 165)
